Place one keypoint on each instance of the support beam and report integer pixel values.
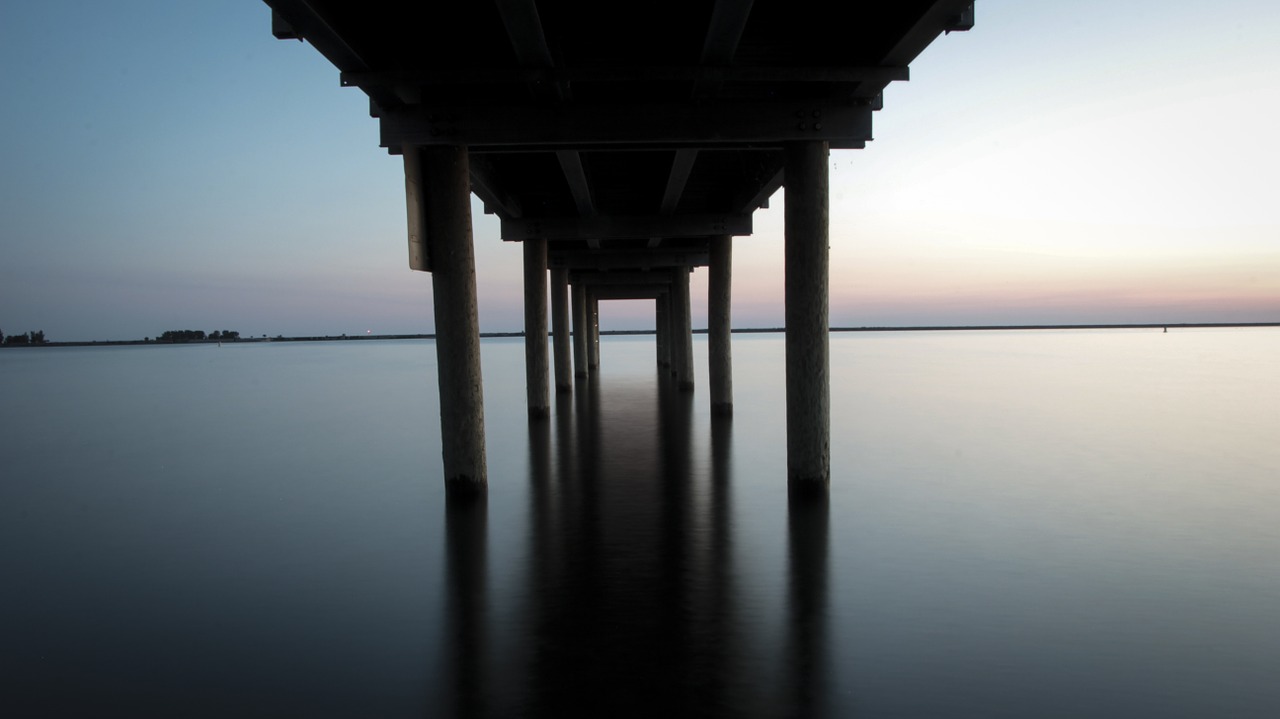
(447, 222)
(603, 228)
(580, 331)
(571, 164)
(808, 389)
(636, 259)
(535, 327)
(593, 330)
(662, 328)
(681, 166)
(630, 292)
(416, 208)
(710, 71)
(720, 359)
(681, 331)
(560, 329)
(624, 278)
(728, 20)
(758, 123)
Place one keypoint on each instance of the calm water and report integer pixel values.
(1021, 524)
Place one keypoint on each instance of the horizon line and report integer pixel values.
(737, 330)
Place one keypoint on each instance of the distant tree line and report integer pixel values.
(198, 335)
(26, 338)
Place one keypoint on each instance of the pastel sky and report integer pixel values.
(170, 165)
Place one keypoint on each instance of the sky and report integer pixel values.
(170, 165)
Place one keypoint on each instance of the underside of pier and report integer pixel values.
(627, 144)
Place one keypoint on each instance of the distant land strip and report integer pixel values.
(739, 330)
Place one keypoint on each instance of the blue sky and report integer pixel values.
(172, 165)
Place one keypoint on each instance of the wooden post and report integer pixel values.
(446, 200)
(580, 331)
(560, 328)
(808, 389)
(535, 326)
(719, 352)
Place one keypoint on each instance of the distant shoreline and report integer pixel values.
(739, 330)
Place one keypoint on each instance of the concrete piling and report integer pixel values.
(447, 219)
(807, 353)
(535, 327)
(560, 329)
(681, 330)
(593, 330)
(662, 329)
(580, 333)
(719, 352)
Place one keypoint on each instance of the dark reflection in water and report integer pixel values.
(807, 651)
(629, 603)
(466, 602)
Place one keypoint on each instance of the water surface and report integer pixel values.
(1047, 523)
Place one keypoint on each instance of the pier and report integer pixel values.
(625, 155)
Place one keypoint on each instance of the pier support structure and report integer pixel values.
(580, 333)
(662, 328)
(560, 329)
(719, 353)
(681, 330)
(535, 326)
(440, 177)
(593, 330)
(807, 260)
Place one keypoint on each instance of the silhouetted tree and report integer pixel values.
(182, 335)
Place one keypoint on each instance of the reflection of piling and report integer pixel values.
(808, 391)
(807, 535)
(466, 564)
